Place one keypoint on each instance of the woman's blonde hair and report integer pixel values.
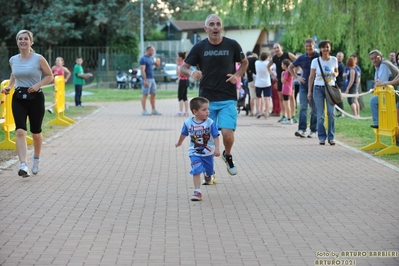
(30, 34)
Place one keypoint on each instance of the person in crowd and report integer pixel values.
(340, 81)
(329, 68)
(275, 97)
(304, 61)
(297, 84)
(59, 70)
(359, 79)
(149, 86)
(27, 69)
(351, 85)
(79, 77)
(382, 74)
(251, 72)
(277, 59)
(263, 84)
(286, 79)
(216, 57)
(392, 58)
(204, 144)
(183, 86)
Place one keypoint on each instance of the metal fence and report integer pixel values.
(103, 62)
(95, 59)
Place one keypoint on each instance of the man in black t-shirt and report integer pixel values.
(215, 58)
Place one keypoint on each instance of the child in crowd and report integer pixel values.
(59, 70)
(204, 144)
(286, 80)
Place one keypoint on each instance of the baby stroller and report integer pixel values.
(241, 103)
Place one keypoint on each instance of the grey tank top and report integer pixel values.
(26, 73)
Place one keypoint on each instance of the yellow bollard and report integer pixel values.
(9, 123)
(59, 99)
(387, 121)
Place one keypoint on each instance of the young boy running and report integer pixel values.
(204, 144)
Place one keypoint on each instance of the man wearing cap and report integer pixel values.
(382, 74)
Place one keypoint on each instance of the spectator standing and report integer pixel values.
(149, 86)
(382, 74)
(277, 59)
(251, 72)
(329, 68)
(79, 80)
(216, 57)
(59, 70)
(304, 61)
(392, 58)
(204, 144)
(351, 85)
(359, 78)
(340, 81)
(183, 86)
(286, 79)
(27, 69)
(263, 84)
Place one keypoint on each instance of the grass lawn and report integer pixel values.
(353, 132)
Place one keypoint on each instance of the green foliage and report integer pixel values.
(155, 35)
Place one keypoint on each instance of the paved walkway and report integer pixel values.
(113, 190)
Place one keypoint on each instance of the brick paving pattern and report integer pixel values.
(113, 190)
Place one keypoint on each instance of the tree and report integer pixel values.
(358, 26)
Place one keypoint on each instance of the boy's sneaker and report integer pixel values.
(145, 112)
(50, 110)
(287, 122)
(209, 180)
(197, 196)
(300, 133)
(35, 166)
(23, 170)
(228, 159)
(155, 112)
(282, 119)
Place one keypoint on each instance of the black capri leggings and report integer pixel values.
(33, 109)
(182, 90)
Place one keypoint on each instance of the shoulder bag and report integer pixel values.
(333, 92)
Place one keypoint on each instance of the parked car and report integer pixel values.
(171, 72)
(166, 73)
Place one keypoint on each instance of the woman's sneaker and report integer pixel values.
(35, 166)
(23, 170)
(228, 159)
(197, 196)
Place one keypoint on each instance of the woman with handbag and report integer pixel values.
(323, 71)
(27, 68)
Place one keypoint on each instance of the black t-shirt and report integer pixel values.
(277, 60)
(215, 62)
(251, 68)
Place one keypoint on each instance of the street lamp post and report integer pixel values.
(141, 29)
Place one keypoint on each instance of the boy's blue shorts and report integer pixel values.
(224, 114)
(201, 164)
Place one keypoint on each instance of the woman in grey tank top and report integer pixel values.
(26, 75)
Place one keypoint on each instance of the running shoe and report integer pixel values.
(228, 159)
(197, 196)
(23, 170)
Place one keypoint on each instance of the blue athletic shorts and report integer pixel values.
(224, 113)
(151, 89)
(201, 164)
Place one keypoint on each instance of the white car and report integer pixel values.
(170, 72)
